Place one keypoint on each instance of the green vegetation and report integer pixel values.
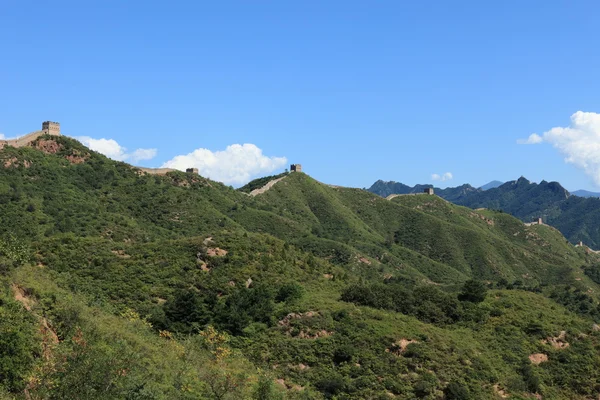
(576, 217)
(118, 284)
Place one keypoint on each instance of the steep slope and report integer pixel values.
(331, 292)
(63, 348)
(450, 242)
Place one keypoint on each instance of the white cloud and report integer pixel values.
(579, 142)
(534, 138)
(444, 177)
(235, 165)
(112, 149)
(2, 136)
(142, 154)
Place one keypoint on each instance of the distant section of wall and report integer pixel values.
(156, 171)
(393, 196)
(53, 129)
(23, 140)
(48, 128)
(268, 186)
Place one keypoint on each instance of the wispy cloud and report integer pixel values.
(443, 177)
(2, 136)
(579, 142)
(235, 165)
(112, 149)
(534, 138)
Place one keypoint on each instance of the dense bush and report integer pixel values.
(456, 391)
(427, 303)
(245, 306)
(13, 252)
(17, 345)
(576, 300)
(473, 291)
(289, 292)
(187, 312)
(593, 271)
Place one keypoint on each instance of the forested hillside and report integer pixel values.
(124, 285)
(577, 217)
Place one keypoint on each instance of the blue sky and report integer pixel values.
(354, 90)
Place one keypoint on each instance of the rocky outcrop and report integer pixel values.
(538, 358)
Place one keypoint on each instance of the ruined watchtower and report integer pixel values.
(51, 128)
(428, 191)
(296, 168)
(192, 171)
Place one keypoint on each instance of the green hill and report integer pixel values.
(577, 217)
(121, 284)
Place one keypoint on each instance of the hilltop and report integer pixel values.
(122, 284)
(491, 185)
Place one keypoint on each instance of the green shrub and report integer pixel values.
(266, 390)
(332, 384)
(473, 291)
(289, 292)
(456, 391)
(245, 306)
(425, 386)
(187, 312)
(17, 345)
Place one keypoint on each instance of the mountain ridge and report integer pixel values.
(585, 193)
(573, 215)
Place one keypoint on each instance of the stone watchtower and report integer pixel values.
(296, 168)
(429, 191)
(51, 128)
(192, 171)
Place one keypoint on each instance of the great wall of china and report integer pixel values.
(53, 129)
(48, 128)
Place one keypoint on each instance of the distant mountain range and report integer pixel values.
(576, 215)
(585, 193)
(491, 185)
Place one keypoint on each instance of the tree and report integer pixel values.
(266, 390)
(289, 292)
(473, 291)
(456, 391)
(186, 312)
(245, 306)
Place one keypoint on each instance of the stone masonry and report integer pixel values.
(48, 128)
